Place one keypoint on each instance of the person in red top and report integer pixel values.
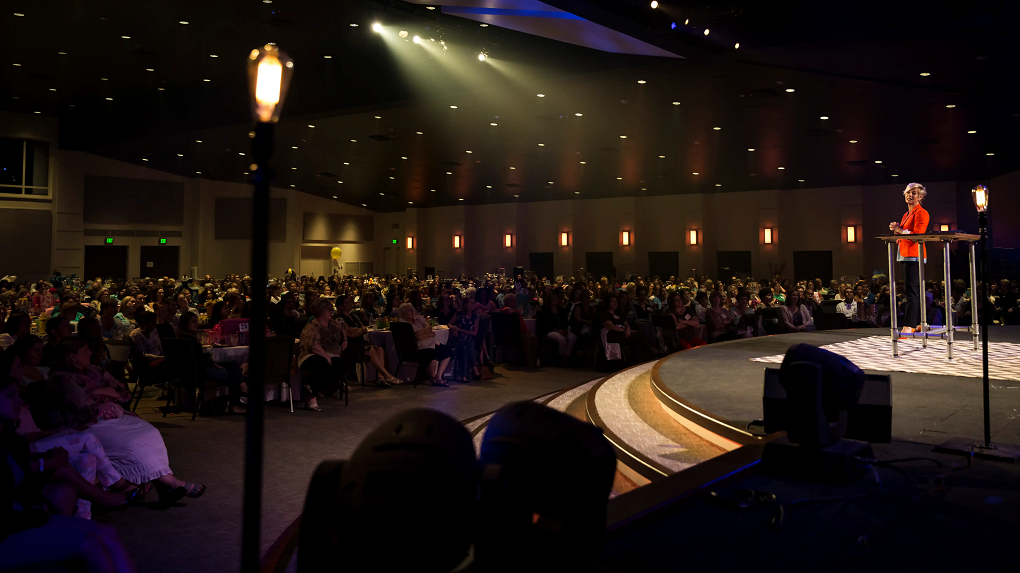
(915, 222)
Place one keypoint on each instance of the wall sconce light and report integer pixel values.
(947, 227)
(692, 236)
(456, 242)
(410, 242)
(768, 236)
(508, 240)
(625, 238)
(564, 239)
(851, 234)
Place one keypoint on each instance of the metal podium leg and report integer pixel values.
(924, 294)
(949, 301)
(893, 307)
(975, 332)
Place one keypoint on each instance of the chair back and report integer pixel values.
(498, 328)
(279, 357)
(404, 341)
(181, 360)
(483, 330)
(829, 306)
(506, 329)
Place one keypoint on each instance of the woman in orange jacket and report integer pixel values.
(915, 222)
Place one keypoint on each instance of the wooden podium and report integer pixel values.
(945, 238)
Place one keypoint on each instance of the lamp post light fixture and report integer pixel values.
(269, 73)
(980, 196)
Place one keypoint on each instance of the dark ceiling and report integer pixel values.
(857, 64)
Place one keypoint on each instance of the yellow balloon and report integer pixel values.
(336, 252)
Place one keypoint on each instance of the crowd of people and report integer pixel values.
(72, 443)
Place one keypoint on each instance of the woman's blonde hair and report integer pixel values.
(921, 191)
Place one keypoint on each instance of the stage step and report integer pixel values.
(650, 443)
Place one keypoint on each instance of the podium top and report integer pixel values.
(926, 237)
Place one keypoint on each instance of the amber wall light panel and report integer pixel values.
(851, 234)
(564, 239)
(943, 227)
(625, 238)
(410, 242)
(768, 236)
(456, 241)
(693, 236)
(508, 240)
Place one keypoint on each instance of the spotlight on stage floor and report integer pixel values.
(821, 388)
(545, 483)
(405, 501)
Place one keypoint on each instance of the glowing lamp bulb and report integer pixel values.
(481, 57)
(654, 4)
(416, 39)
(980, 196)
(377, 27)
(267, 86)
(402, 33)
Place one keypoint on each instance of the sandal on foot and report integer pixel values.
(383, 383)
(193, 490)
(394, 381)
(312, 408)
(443, 383)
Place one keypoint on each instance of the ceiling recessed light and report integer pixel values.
(750, 149)
(895, 175)
(17, 65)
(206, 80)
(541, 145)
(418, 132)
(53, 89)
(432, 190)
(149, 70)
(198, 141)
(736, 46)
(378, 117)
(853, 141)
(540, 95)
(346, 163)
(878, 161)
(801, 180)
(430, 7)
(144, 159)
(718, 184)
(161, 89)
(461, 199)
(292, 168)
(19, 14)
(38, 112)
(198, 173)
(334, 196)
(240, 153)
(340, 182)
(468, 151)
(824, 117)
(493, 124)
(180, 155)
(453, 107)
(973, 131)
(717, 128)
(354, 25)
(782, 168)
(925, 74)
(513, 168)
(449, 172)
(676, 103)
(109, 99)
(623, 137)
(989, 154)
(695, 173)
(184, 23)
(619, 178)
(126, 37)
(706, 31)
(582, 163)
(105, 79)
(293, 147)
(488, 186)
(310, 125)
(402, 157)
(382, 194)
(641, 81)
(790, 90)
(363, 204)
(484, 25)
(550, 183)
(578, 114)
(516, 195)
(950, 106)
(655, 4)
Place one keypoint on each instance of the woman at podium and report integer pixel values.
(914, 222)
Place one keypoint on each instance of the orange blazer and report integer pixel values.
(916, 222)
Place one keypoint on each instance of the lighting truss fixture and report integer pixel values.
(481, 56)
(377, 27)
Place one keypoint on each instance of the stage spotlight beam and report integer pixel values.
(377, 28)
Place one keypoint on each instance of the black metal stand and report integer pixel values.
(262, 149)
(1001, 452)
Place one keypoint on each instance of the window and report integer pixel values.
(24, 167)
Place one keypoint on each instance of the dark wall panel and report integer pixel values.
(27, 238)
(338, 228)
(122, 201)
(233, 219)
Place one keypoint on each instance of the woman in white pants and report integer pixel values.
(554, 323)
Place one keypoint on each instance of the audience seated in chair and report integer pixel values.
(228, 373)
(358, 347)
(323, 368)
(432, 359)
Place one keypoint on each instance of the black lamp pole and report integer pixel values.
(261, 150)
(984, 317)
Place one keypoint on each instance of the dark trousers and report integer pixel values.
(229, 374)
(912, 294)
(323, 376)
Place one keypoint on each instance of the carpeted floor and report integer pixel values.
(204, 534)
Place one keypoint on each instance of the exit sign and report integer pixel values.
(394, 241)
(162, 241)
(109, 240)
